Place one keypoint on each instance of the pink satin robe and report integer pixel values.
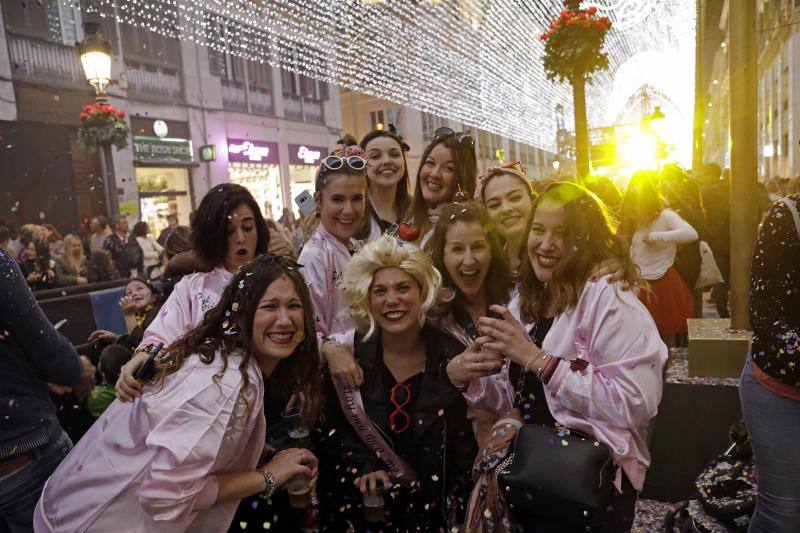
(184, 309)
(324, 259)
(617, 395)
(151, 465)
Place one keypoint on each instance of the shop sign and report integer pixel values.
(303, 154)
(208, 152)
(247, 151)
(166, 150)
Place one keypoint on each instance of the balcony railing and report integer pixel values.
(154, 82)
(45, 62)
(292, 107)
(261, 101)
(234, 95)
(312, 109)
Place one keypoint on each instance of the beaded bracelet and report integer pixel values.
(269, 486)
(548, 369)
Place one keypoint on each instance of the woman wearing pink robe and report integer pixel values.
(183, 454)
(591, 360)
(228, 230)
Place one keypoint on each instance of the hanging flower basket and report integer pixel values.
(573, 45)
(102, 124)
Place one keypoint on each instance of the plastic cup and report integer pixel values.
(374, 505)
(299, 489)
(297, 427)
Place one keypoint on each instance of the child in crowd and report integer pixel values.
(111, 361)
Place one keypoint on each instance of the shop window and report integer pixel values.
(163, 192)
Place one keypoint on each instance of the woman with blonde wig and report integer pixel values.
(409, 432)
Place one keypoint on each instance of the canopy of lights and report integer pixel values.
(474, 61)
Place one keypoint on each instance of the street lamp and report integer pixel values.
(96, 60)
(95, 53)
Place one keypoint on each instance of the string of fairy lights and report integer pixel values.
(475, 61)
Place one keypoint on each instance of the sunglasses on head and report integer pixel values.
(334, 162)
(461, 136)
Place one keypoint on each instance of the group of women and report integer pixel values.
(416, 357)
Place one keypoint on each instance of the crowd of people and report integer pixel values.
(438, 359)
(97, 252)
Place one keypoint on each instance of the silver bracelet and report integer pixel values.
(269, 486)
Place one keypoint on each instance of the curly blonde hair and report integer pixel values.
(385, 252)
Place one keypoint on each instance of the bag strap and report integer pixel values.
(353, 408)
(793, 209)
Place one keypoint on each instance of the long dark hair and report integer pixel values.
(210, 223)
(498, 279)
(402, 195)
(466, 169)
(228, 327)
(589, 239)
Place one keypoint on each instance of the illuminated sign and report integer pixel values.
(166, 150)
(249, 151)
(303, 154)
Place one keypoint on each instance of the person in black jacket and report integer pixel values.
(406, 396)
(33, 358)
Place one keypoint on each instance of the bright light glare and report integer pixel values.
(639, 151)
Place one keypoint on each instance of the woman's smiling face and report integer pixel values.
(385, 162)
(277, 320)
(467, 256)
(546, 239)
(438, 178)
(508, 204)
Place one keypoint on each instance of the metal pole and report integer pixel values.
(743, 70)
(109, 182)
(699, 89)
(581, 131)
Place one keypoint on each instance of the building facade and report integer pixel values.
(778, 36)
(198, 117)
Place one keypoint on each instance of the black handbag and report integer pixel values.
(552, 467)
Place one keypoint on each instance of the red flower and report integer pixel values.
(84, 116)
(586, 25)
(570, 14)
(599, 25)
(120, 113)
(592, 10)
(570, 22)
(564, 14)
(582, 15)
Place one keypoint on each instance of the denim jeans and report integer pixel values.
(20, 489)
(774, 426)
